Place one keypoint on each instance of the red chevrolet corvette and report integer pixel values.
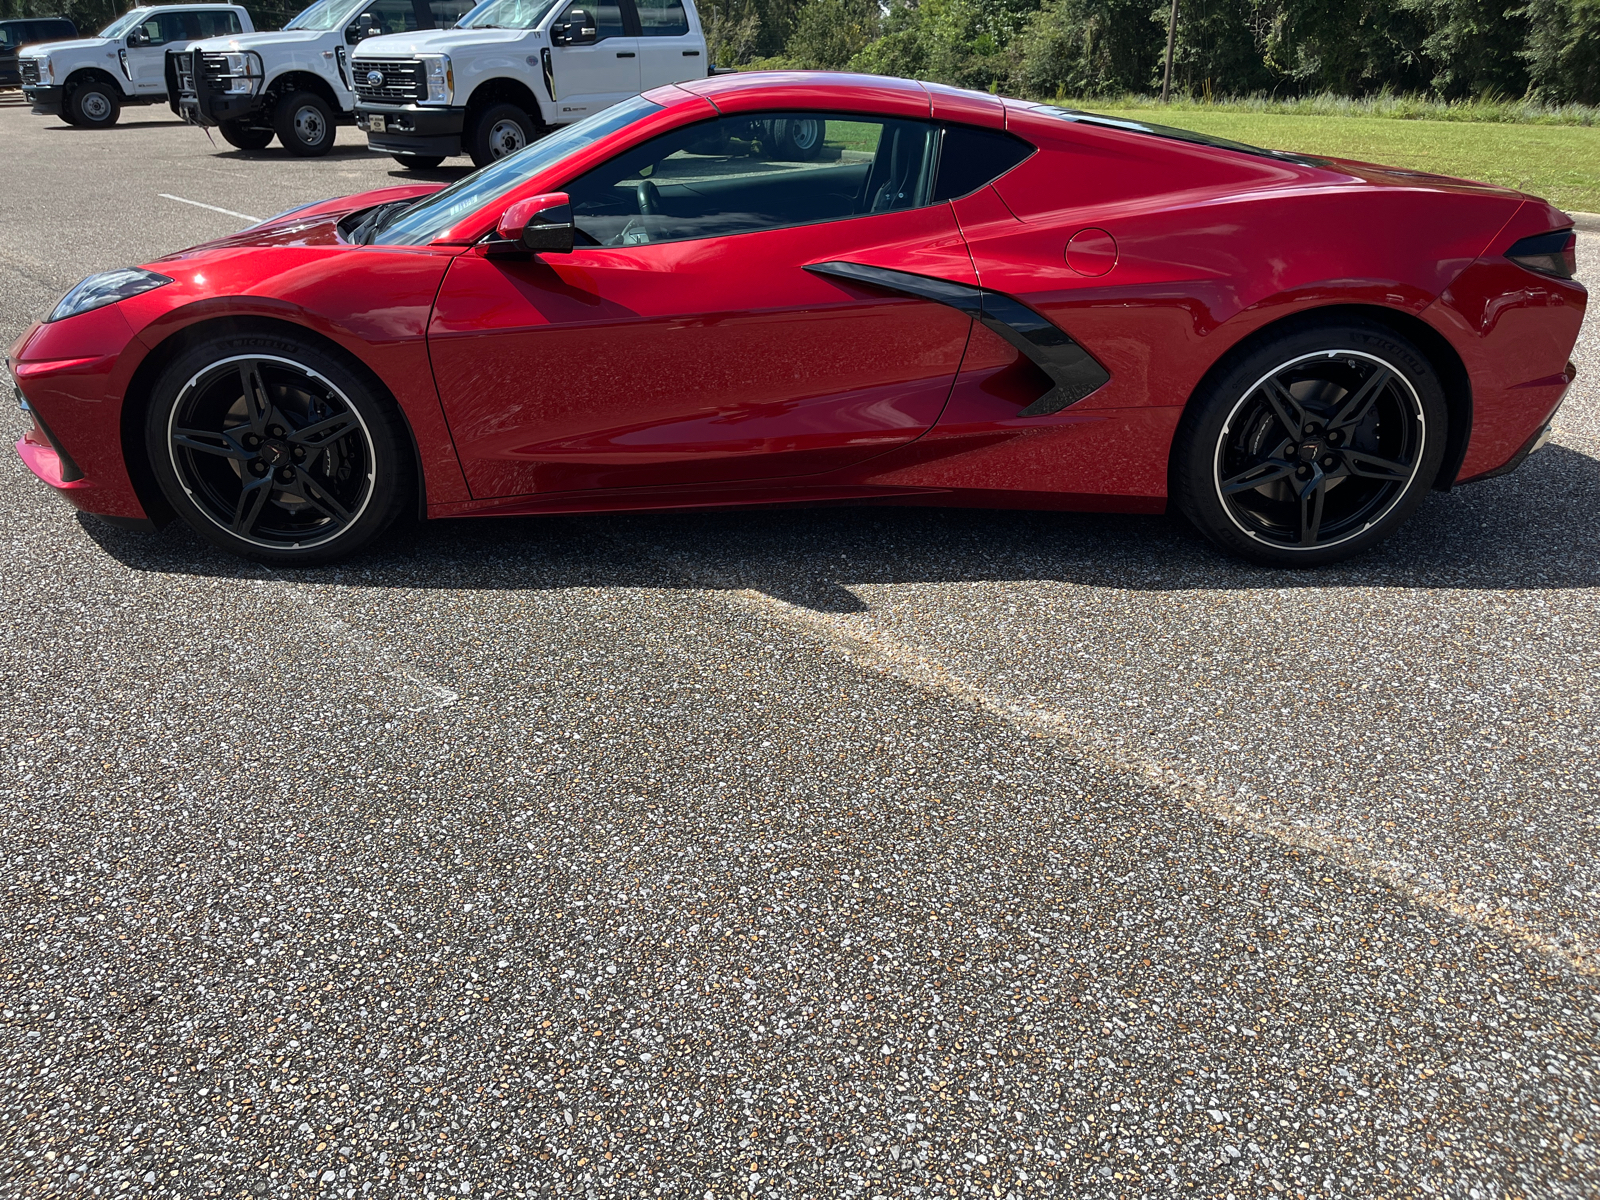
(771, 288)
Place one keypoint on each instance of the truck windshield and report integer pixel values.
(507, 14)
(124, 23)
(323, 15)
(432, 215)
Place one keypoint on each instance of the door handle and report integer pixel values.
(691, 54)
(625, 54)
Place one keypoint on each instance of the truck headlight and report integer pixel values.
(47, 70)
(244, 73)
(108, 287)
(441, 79)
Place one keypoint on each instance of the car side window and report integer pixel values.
(662, 18)
(969, 158)
(607, 18)
(446, 13)
(212, 22)
(747, 173)
(390, 16)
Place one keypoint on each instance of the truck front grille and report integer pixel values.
(215, 69)
(400, 79)
(30, 72)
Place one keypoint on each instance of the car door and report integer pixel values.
(145, 64)
(688, 342)
(588, 76)
(668, 50)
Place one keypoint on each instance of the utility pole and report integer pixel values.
(1172, 29)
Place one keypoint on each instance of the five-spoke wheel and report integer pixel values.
(1313, 447)
(274, 448)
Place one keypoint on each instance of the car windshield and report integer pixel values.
(507, 14)
(124, 23)
(431, 216)
(325, 14)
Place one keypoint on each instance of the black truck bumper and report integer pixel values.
(411, 129)
(46, 99)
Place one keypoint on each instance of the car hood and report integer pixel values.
(391, 45)
(254, 41)
(75, 45)
(310, 224)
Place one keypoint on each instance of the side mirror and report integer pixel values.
(359, 29)
(577, 29)
(138, 38)
(537, 224)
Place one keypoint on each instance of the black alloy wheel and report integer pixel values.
(1307, 455)
(274, 450)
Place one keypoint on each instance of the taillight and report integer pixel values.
(1553, 253)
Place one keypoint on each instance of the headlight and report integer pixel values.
(108, 287)
(47, 70)
(244, 73)
(440, 77)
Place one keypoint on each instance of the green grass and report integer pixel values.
(1560, 162)
(1383, 107)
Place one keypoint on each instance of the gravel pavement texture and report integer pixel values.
(836, 852)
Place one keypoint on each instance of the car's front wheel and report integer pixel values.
(304, 124)
(244, 136)
(274, 449)
(94, 105)
(500, 130)
(1313, 447)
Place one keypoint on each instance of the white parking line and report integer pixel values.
(212, 207)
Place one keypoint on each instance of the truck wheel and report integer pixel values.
(245, 137)
(304, 123)
(95, 105)
(798, 139)
(419, 162)
(502, 129)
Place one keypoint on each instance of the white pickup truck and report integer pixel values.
(293, 84)
(88, 81)
(512, 70)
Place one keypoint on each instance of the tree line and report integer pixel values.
(1546, 50)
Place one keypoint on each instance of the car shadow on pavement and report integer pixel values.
(1528, 530)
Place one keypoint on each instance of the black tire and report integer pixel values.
(797, 139)
(244, 136)
(500, 130)
(419, 162)
(94, 105)
(304, 124)
(310, 471)
(1312, 447)
(66, 115)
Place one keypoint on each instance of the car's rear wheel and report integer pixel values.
(274, 449)
(1313, 447)
(500, 130)
(94, 105)
(304, 124)
(243, 136)
(419, 162)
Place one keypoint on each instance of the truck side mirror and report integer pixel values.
(358, 29)
(577, 28)
(138, 38)
(537, 224)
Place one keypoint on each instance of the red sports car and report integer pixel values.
(770, 288)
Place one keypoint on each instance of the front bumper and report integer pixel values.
(214, 110)
(45, 98)
(412, 128)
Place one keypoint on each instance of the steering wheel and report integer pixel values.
(649, 197)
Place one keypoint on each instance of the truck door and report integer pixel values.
(593, 71)
(669, 51)
(144, 62)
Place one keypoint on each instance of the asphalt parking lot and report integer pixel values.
(839, 852)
